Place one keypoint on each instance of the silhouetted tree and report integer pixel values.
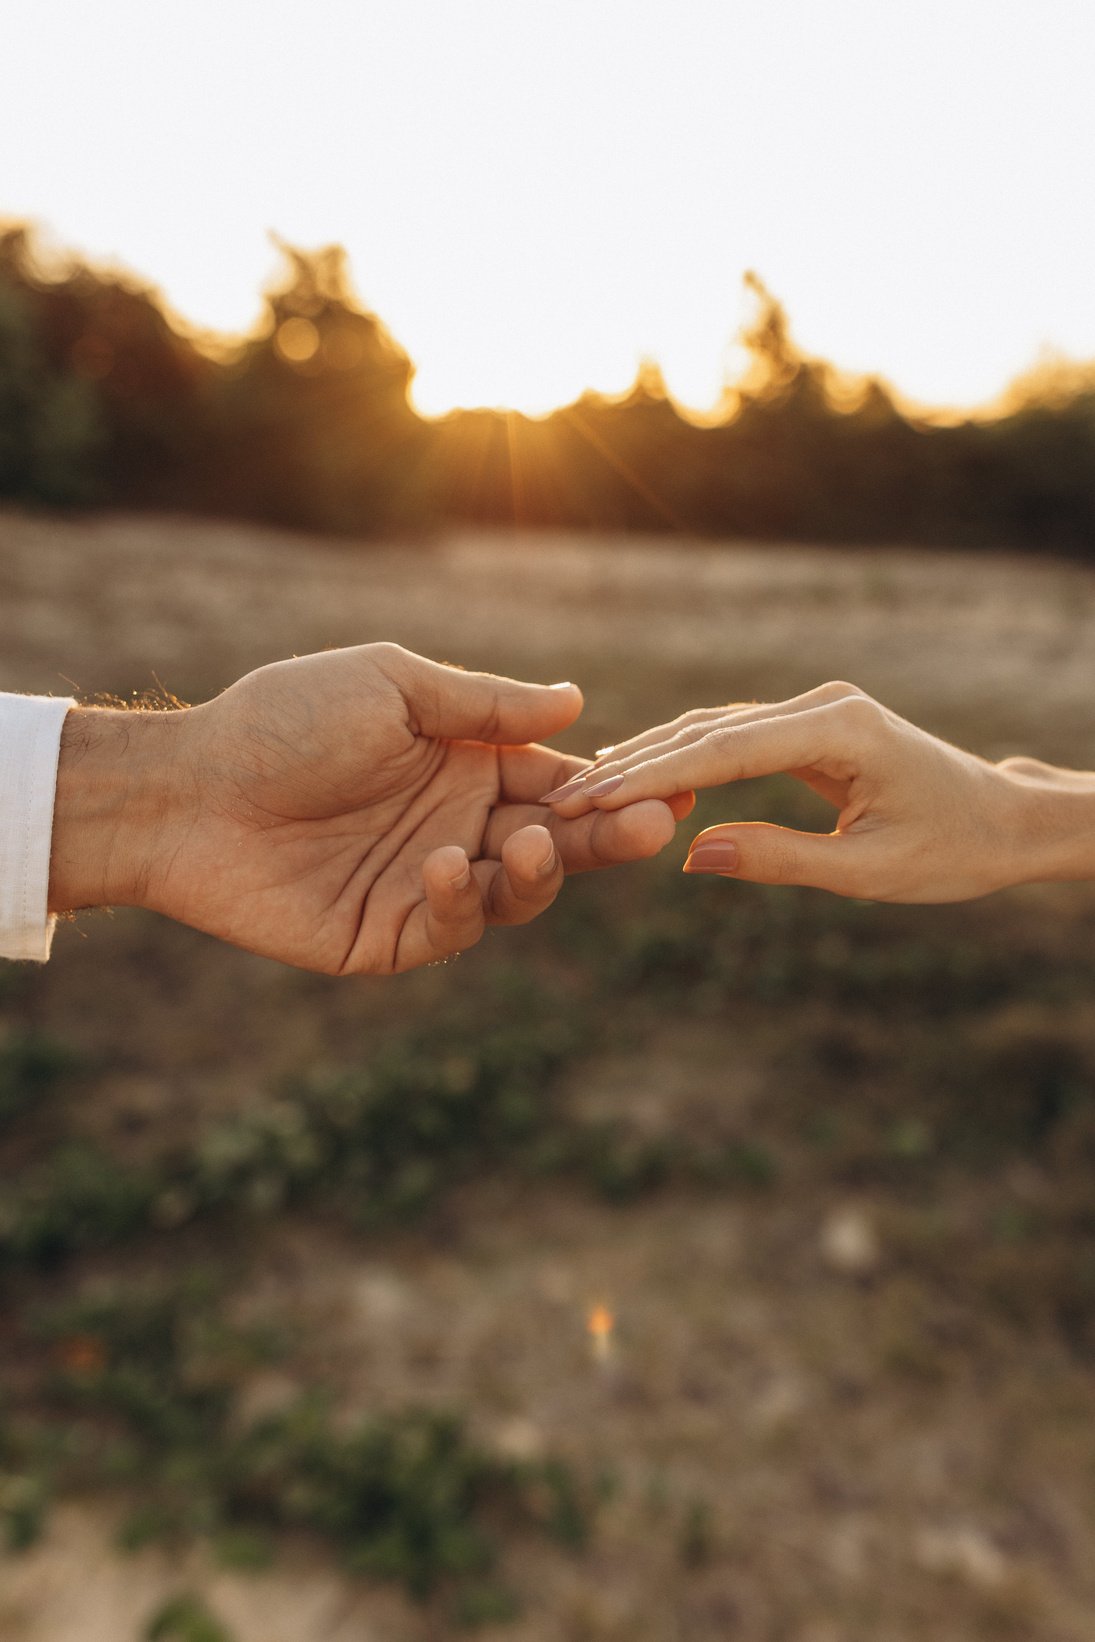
(313, 416)
(308, 422)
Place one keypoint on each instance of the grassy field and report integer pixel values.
(297, 1274)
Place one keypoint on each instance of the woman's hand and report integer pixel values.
(917, 819)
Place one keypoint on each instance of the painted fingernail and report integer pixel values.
(566, 685)
(565, 791)
(603, 752)
(722, 857)
(462, 879)
(603, 788)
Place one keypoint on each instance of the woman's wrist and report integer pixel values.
(118, 791)
(1052, 822)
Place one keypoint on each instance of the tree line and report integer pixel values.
(104, 402)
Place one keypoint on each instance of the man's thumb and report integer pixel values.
(766, 854)
(453, 705)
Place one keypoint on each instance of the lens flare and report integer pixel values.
(601, 1324)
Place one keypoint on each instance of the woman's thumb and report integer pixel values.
(767, 854)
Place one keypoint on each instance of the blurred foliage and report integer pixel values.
(51, 436)
(101, 400)
(139, 1388)
(311, 421)
(185, 1618)
(373, 1146)
(307, 423)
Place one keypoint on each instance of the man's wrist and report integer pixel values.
(118, 789)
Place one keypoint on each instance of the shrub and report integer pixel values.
(185, 1618)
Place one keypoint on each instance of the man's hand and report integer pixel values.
(361, 811)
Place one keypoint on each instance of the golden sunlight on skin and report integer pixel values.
(533, 199)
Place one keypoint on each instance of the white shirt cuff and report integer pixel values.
(30, 742)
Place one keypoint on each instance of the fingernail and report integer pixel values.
(714, 857)
(603, 752)
(547, 865)
(565, 791)
(566, 685)
(603, 788)
(462, 879)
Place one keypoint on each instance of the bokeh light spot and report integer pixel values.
(297, 341)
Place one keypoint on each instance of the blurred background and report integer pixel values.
(703, 1261)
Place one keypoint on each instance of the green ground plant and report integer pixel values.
(185, 1618)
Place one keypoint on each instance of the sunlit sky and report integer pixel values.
(537, 193)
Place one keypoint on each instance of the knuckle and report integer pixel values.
(722, 737)
(862, 714)
(722, 743)
(838, 688)
(721, 751)
(385, 650)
